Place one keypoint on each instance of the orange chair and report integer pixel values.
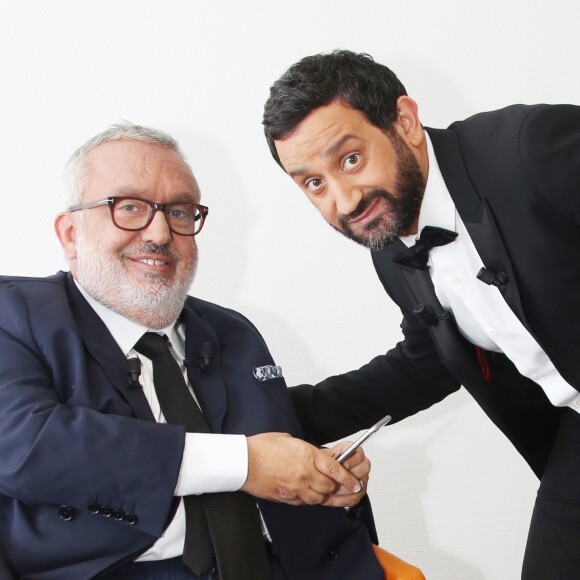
(395, 568)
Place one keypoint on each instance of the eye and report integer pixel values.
(313, 185)
(178, 213)
(183, 213)
(351, 161)
(129, 207)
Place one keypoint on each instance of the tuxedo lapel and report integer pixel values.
(476, 214)
(485, 236)
(413, 290)
(103, 348)
(442, 328)
(207, 384)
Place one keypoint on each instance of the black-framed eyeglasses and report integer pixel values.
(134, 213)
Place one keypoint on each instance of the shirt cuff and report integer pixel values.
(212, 463)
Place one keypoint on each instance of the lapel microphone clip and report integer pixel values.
(206, 353)
(134, 374)
(492, 278)
(206, 356)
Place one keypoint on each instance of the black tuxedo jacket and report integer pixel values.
(514, 175)
(87, 475)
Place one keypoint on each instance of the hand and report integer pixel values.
(358, 465)
(282, 468)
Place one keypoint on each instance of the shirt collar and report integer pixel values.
(437, 207)
(127, 332)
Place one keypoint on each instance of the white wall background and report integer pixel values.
(450, 494)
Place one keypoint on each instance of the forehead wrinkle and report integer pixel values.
(319, 136)
(128, 191)
(135, 167)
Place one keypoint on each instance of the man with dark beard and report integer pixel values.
(108, 468)
(474, 233)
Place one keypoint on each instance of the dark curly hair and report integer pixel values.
(318, 80)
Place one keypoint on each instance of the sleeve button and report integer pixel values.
(118, 515)
(65, 513)
(94, 508)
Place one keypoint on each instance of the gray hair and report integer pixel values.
(73, 183)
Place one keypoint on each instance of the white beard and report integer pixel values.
(152, 303)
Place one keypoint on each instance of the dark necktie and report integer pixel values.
(430, 238)
(222, 527)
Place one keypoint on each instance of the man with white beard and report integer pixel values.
(109, 469)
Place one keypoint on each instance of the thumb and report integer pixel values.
(331, 468)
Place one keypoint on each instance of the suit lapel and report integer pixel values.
(476, 215)
(443, 330)
(208, 384)
(102, 347)
(411, 288)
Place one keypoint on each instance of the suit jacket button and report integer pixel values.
(94, 508)
(65, 513)
(106, 511)
(333, 554)
(130, 519)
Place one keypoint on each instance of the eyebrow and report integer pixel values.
(330, 151)
(130, 191)
(335, 147)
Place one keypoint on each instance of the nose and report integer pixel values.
(346, 197)
(157, 231)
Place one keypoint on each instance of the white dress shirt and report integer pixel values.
(211, 462)
(482, 314)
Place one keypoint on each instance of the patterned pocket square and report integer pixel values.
(267, 372)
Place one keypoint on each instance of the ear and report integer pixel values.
(408, 122)
(66, 227)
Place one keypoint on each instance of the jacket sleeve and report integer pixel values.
(405, 380)
(54, 453)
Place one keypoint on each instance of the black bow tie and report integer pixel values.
(416, 256)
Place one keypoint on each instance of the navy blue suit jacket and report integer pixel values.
(72, 436)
